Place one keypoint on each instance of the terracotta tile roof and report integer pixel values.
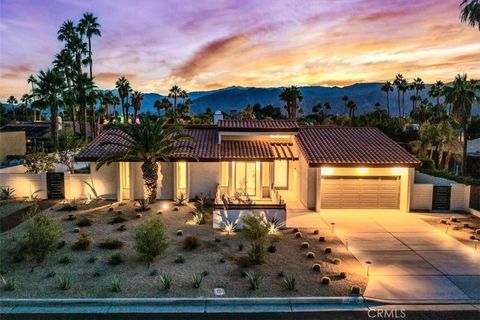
(205, 146)
(351, 146)
(245, 150)
(258, 125)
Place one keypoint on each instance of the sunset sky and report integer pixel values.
(211, 44)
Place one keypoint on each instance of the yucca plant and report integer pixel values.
(166, 281)
(6, 193)
(197, 280)
(254, 280)
(289, 283)
(115, 284)
(181, 200)
(229, 226)
(64, 282)
(8, 283)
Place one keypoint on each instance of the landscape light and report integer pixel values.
(326, 171)
(362, 170)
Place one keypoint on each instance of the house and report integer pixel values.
(267, 163)
(37, 134)
(473, 157)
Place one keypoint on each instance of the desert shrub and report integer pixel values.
(154, 272)
(355, 290)
(61, 244)
(65, 260)
(321, 239)
(191, 242)
(272, 248)
(83, 242)
(41, 237)
(453, 219)
(179, 233)
(122, 228)
(337, 261)
(151, 240)
(254, 280)
(466, 225)
(316, 267)
(315, 232)
(117, 219)
(254, 228)
(84, 222)
(240, 247)
(456, 228)
(343, 275)
(281, 274)
(69, 206)
(8, 283)
(116, 259)
(197, 280)
(76, 230)
(256, 253)
(310, 255)
(179, 258)
(205, 273)
(51, 274)
(272, 225)
(295, 230)
(289, 283)
(6, 193)
(328, 250)
(443, 221)
(64, 282)
(298, 235)
(143, 205)
(198, 216)
(71, 217)
(305, 245)
(477, 231)
(111, 244)
(92, 260)
(115, 284)
(166, 281)
(325, 280)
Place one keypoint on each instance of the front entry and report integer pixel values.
(125, 180)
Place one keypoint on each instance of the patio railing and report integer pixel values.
(278, 204)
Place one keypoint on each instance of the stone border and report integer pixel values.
(180, 305)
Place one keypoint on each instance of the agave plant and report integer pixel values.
(229, 226)
(166, 281)
(6, 193)
(272, 225)
(197, 280)
(181, 200)
(116, 287)
(93, 195)
(254, 280)
(143, 205)
(289, 283)
(198, 216)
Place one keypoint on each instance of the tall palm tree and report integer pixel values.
(148, 142)
(292, 98)
(387, 87)
(25, 99)
(64, 62)
(351, 106)
(470, 12)
(86, 96)
(50, 88)
(462, 94)
(136, 98)
(89, 27)
(124, 89)
(163, 104)
(12, 101)
(400, 83)
(31, 80)
(418, 85)
(107, 101)
(175, 93)
(448, 142)
(115, 103)
(436, 90)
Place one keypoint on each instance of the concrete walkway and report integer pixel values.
(411, 260)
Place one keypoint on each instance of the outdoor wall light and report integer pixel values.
(362, 170)
(397, 170)
(326, 171)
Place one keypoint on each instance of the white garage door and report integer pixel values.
(360, 193)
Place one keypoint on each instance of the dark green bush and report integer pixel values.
(111, 244)
(191, 242)
(84, 222)
(151, 240)
(83, 242)
(117, 219)
(41, 237)
(116, 259)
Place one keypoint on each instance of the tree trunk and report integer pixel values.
(150, 177)
(53, 124)
(464, 158)
(399, 105)
(388, 105)
(90, 56)
(446, 164)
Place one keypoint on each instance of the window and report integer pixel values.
(281, 174)
(265, 174)
(182, 175)
(224, 172)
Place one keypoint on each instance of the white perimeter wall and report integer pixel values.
(422, 195)
(25, 183)
(105, 181)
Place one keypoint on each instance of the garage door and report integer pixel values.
(360, 193)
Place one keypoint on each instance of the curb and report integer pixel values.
(423, 301)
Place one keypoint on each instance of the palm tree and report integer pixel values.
(448, 142)
(351, 106)
(436, 90)
(462, 94)
(12, 100)
(399, 83)
(136, 98)
(175, 93)
(148, 142)
(25, 99)
(247, 113)
(50, 88)
(417, 85)
(108, 100)
(89, 27)
(387, 87)
(115, 103)
(292, 97)
(65, 63)
(470, 12)
(124, 88)
(85, 95)
(31, 80)
(164, 104)
(345, 100)
(423, 113)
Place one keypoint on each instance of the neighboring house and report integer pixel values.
(37, 134)
(12, 144)
(262, 162)
(473, 157)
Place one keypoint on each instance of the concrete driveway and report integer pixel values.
(411, 260)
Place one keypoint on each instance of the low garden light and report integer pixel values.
(368, 263)
(333, 226)
(448, 226)
(346, 244)
(475, 241)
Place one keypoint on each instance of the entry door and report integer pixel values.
(441, 197)
(125, 179)
(55, 185)
(246, 178)
(280, 174)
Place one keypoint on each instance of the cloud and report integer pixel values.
(111, 77)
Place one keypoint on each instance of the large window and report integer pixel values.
(224, 171)
(245, 178)
(281, 174)
(265, 174)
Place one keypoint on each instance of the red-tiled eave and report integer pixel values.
(246, 150)
(258, 125)
(352, 147)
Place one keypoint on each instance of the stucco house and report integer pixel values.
(267, 163)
